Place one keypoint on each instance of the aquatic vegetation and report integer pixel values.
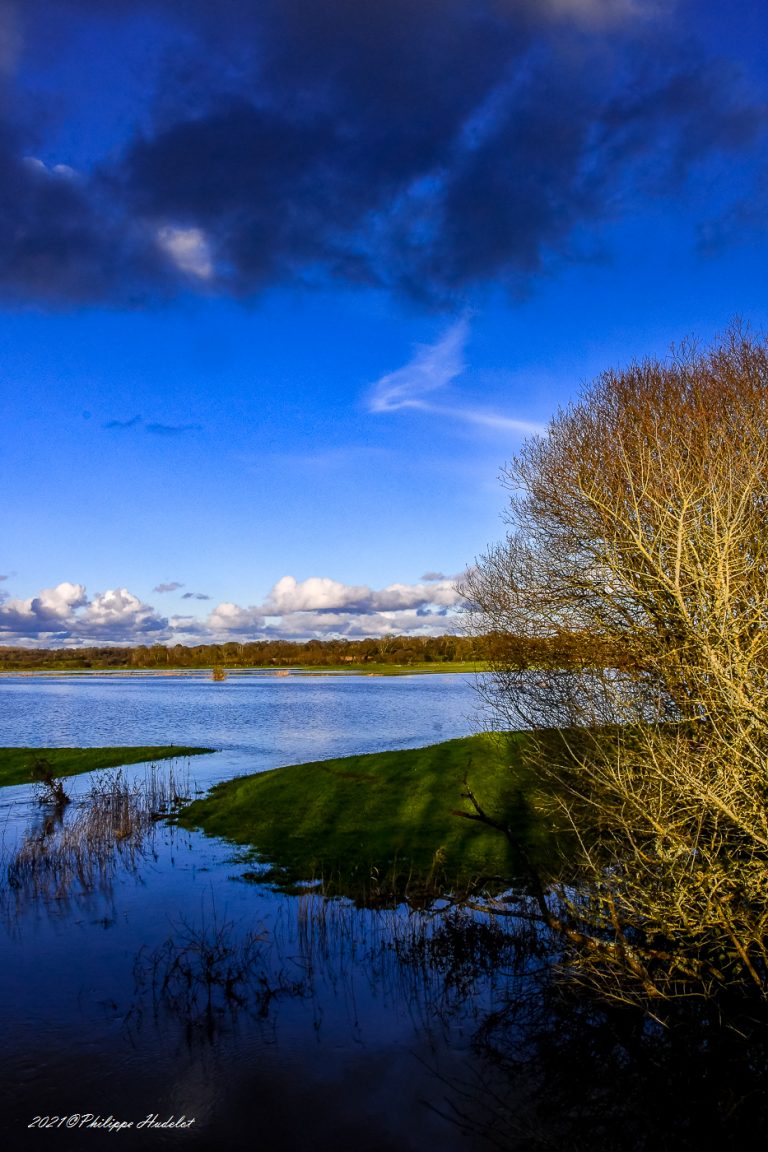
(70, 855)
(50, 788)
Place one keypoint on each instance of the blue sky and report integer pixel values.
(284, 283)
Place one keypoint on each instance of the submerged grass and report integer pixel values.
(68, 854)
(386, 823)
(17, 764)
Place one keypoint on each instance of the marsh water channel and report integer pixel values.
(160, 984)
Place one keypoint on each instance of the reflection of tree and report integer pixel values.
(204, 976)
(566, 1072)
(70, 856)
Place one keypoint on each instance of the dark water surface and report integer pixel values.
(168, 987)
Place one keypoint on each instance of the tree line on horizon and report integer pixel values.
(254, 654)
(522, 651)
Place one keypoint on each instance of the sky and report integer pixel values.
(284, 284)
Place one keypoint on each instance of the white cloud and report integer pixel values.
(318, 593)
(230, 618)
(321, 594)
(64, 614)
(189, 250)
(316, 607)
(118, 611)
(358, 626)
(61, 600)
(432, 368)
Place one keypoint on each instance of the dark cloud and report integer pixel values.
(172, 429)
(194, 595)
(120, 425)
(153, 429)
(424, 145)
(174, 584)
(62, 240)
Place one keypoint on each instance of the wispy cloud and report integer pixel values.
(171, 587)
(433, 368)
(195, 596)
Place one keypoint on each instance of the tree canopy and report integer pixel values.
(638, 522)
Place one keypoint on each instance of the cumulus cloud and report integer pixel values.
(65, 614)
(316, 594)
(319, 594)
(119, 615)
(358, 626)
(322, 607)
(315, 607)
(425, 147)
(229, 618)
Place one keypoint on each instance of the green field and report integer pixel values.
(16, 763)
(385, 821)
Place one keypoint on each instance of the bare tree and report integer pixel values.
(639, 523)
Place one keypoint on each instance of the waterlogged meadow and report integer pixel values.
(143, 974)
(169, 988)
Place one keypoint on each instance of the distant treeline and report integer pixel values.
(257, 654)
(494, 649)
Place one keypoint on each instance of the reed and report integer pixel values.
(77, 851)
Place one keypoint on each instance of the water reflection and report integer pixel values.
(297, 1022)
(461, 1007)
(66, 856)
(259, 721)
(205, 976)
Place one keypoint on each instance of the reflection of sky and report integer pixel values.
(360, 1034)
(258, 722)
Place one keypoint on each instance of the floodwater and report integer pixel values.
(162, 991)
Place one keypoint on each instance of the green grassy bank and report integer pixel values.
(385, 821)
(16, 763)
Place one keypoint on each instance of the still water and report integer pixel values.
(168, 987)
